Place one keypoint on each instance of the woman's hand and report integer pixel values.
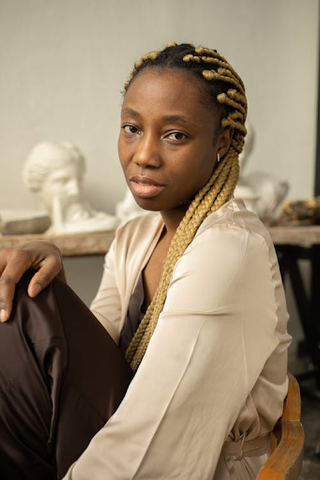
(42, 256)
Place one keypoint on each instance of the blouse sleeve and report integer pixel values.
(217, 329)
(106, 305)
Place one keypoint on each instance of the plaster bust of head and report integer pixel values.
(55, 171)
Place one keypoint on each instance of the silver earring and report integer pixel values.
(218, 157)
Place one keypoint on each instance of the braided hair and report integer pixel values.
(220, 88)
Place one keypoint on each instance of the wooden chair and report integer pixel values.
(285, 461)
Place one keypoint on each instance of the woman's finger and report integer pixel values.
(49, 269)
(7, 288)
(13, 265)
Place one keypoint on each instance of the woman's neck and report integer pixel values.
(172, 219)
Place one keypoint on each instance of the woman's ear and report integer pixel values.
(224, 141)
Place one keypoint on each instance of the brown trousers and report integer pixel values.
(61, 378)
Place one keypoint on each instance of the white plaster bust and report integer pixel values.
(55, 171)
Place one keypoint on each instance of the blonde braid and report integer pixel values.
(211, 197)
(148, 56)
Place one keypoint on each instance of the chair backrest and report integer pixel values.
(285, 461)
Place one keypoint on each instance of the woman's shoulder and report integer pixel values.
(234, 217)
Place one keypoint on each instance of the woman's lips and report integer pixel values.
(144, 187)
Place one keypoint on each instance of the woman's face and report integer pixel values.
(169, 140)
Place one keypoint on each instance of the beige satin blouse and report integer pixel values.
(215, 369)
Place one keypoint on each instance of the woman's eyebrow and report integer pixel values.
(178, 118)
(131, 111)
(167, 118)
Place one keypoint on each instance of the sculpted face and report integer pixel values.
(63, 183)
(168, 141)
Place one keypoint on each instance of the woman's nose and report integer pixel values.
(147, 152)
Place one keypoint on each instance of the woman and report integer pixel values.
(192, 296)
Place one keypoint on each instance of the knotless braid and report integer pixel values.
(218, 76)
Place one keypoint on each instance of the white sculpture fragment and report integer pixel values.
(22, 222)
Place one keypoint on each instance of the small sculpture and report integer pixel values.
(55, 171)
(263, 193)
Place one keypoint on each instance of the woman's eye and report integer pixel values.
(177, 136)
(130, 129)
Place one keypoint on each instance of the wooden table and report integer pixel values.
(295, 235)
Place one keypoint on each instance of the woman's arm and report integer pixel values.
(42, 256)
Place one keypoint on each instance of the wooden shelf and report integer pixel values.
(83, 244)
(75, 245)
